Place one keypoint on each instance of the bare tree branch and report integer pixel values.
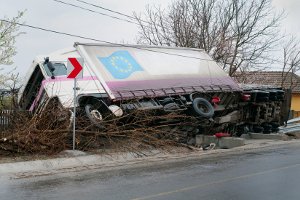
(236, 33)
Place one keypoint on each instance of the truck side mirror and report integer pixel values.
(50, 67)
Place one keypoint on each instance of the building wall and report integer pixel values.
(295, 106)
(295, 102)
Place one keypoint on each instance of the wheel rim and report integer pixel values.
(203, 108)
(96, 115)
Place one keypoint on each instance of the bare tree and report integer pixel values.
(238, 34)
(291, 61)
(9, 85)
(9, 31)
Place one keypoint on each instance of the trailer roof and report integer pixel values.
(134, 71)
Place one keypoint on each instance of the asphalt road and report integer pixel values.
(268, 174)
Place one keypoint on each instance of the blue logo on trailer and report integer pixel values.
(120, 64)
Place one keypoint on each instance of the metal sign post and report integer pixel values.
(74, 70)
(74, 114)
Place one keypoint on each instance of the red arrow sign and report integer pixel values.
(77, 68)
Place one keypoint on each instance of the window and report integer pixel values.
(32, 88)
(59, 69)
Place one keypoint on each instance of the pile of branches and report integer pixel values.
(138, 131)
(51, 132)
(29, 134)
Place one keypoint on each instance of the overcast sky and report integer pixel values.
(56, 16)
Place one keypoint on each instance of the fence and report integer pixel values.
(5, 119)
(296, 114)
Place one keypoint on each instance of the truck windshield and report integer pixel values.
(59, 69)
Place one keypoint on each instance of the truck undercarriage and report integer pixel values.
(236, 113)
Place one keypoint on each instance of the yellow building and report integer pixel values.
(285, 80)
(295, 106)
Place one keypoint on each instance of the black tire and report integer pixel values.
(171, 107)
(267, 128)
(203, 108)
(167, 101)
(262, 99)
(275, 125)
(258, 129)
(275, 130)
(242, 130)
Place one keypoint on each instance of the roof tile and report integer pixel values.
(276, 78)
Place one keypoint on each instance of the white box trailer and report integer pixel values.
(125, 72)
(145, 71)
(121, 78)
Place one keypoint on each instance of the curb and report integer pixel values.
(37, 168)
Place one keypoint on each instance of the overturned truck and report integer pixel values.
(121, 79)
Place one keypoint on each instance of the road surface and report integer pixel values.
(264, 174)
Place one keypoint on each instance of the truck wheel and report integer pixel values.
(171, 107)
(275, 126)
(94, 115)
(167, 100)
(267, 128)
(258, 129)
(203, 108)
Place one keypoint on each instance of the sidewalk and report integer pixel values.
(17, 170)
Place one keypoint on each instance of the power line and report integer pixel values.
(103, 41)
(128, 16)
(107, 15)
(112, 11)
(107, 9)
(118, 44)
(93, 11)
(139, 23)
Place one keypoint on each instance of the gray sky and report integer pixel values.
(291, 22)
(52, 15)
